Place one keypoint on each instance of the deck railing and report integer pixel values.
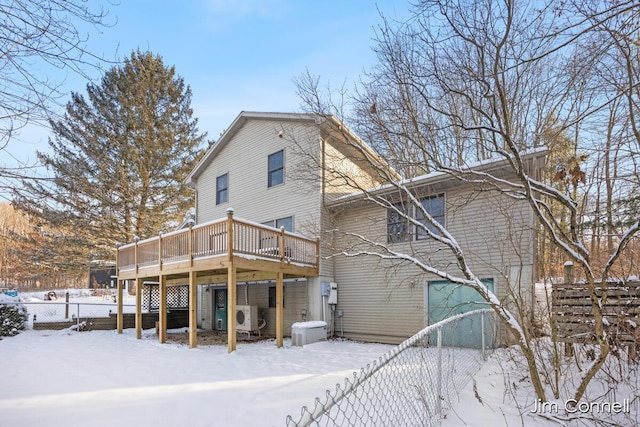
(212, 239)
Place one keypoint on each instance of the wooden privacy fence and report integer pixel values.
(175, 319)
(573, 314)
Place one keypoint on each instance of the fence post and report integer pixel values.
(66, 305)
(568, 280)
(484, 357)
(439, 368)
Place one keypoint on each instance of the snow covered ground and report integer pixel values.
(102, 378)
(501, 394)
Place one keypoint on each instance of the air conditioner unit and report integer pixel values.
(247, 318)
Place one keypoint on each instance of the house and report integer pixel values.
(277, 198)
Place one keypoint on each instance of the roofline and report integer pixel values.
(235, 126)
(435, 177)
(368, 151)
(317, 119)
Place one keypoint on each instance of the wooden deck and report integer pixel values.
(206, 247)
(226, 250)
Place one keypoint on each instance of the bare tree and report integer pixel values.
(12, 225)
(463, 82)
(36, 35)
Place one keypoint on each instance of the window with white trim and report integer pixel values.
(434, 206)
(222, 189)
(275, 166)
(398, 223)
(270, 242)
(399, 228)
(286, 222)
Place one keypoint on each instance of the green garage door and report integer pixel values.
(446, 299)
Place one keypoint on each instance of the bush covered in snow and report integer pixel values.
(13, 317)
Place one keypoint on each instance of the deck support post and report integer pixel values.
(162, 317)
(193, 304)
(119, 315)
(231, 308)
(279, 309)
(232, 292)
(280, 292)
(139, 308)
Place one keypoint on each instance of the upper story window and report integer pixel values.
(399, 228)
(222, 189)
(397, 223)
(434, 206)
(275, 169)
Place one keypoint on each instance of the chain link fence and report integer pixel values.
(413, 383)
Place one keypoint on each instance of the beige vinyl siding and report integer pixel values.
(295, 294)
(205, 299)
(343, 176)
(326, 245)
(258, 294)
(386, 299)
(378, 305)
(245, 160)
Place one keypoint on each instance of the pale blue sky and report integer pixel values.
(238, 54)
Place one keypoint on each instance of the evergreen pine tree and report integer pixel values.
(117, 160)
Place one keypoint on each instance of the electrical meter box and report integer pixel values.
(333, 293)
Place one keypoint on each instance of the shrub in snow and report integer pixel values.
(13, 317)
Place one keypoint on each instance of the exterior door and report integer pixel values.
(446, 299)
(220, 310)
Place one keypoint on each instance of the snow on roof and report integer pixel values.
(437, 176)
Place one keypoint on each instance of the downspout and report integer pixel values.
(324, 309)
(323, 176)
(322, 208)
(195, 189)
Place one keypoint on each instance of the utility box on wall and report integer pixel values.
(325, 289)
(333, 293)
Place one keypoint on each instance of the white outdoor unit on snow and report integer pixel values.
(247, 318)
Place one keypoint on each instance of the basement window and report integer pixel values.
(272, 296)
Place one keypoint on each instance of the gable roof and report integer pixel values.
(230, 132)
(331, 124)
